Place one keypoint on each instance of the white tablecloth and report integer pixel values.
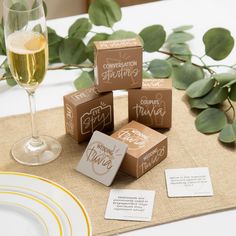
(203, 14)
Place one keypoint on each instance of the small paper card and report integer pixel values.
(133, 205)
(188, 182)
(102, 158)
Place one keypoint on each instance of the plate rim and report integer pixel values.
(69, 193)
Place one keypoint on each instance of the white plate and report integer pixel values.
(34, 206)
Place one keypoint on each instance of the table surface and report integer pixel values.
(202, 14)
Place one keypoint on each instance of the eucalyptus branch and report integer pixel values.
(183, 60)
(200, 59)
(72, 67)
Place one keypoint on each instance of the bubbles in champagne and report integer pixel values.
(28, 57)
(24, 42)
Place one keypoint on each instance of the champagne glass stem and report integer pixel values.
(35, 140)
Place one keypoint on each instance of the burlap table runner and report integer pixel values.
(187, 148)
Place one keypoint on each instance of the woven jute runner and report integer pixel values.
(187, 148)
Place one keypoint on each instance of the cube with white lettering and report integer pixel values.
(152, 104)
(118, 64)
(86, 111)
(146, 148)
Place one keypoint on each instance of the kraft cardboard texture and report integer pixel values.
(187, 148)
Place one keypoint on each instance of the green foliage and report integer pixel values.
(80, 28)
(2, 41)
(147, 75)
(206, 89)
(232, 94)
(183, 28)
(197, 103)
(160, 68)
(35, 4)
(217, 95)
(228, 133)
(85, 80)
(45, 8)
(90, 46)
(153, 37)
(200, 88)
(72, 51)
(179, 37)
(233, 81)
(225, 78)
(210, 120)
(54, 43)
(218, 43)
(104, 12)
(17, 21)
(11, 82)
(122, 34)
(185, 75)
(180, 49)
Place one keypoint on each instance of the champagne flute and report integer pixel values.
(27, 53)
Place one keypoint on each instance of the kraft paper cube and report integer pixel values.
(86, 111)
(146, 148)
(118, 64)
(152, 104)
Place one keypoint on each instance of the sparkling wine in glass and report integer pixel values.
(27, 53)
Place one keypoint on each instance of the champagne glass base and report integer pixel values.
(28, 152)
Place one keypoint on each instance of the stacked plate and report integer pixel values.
(33, 206)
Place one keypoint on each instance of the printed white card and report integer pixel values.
(188, 182)
(102, 158)
(133, 205)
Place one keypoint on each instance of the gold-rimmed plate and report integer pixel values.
(36, 206)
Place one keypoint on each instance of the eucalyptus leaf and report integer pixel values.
(38, 28)
(230, 83)
(216, 95)
(146, 75)
(160, 68)
(51, 30)
(174, 62)
(85, 80)
(180, 49)
(35, 4)
(11, 82)
(2, 41)
(182, 28)
(186, 74)
(153, 37)
(9, 78)
(45, 8)
(72, 51)
(90, 45)
(36, 14)
(210, 120)
(104, 12)
(225, 78)
(17, 20)
(54, 42)
(200, 88)
(232, 94)
(197, 103)
(53, 38)
(122, 34)
(80, 28)
(54, 53)
(228, 133)
(179, 37)
(218, 43)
